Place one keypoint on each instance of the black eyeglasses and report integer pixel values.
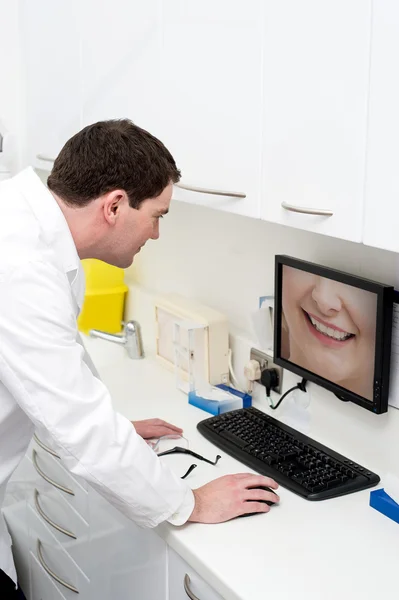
(179, 450)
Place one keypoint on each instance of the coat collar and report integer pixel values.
(54, 227)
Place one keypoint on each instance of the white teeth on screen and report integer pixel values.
(329, 331)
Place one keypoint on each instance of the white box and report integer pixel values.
(173, 308)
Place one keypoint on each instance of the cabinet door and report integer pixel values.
(211, 100)
(382, 175)
(52, 62)
(128, 562)
(120, 61)
(316, 75)
(183, 581)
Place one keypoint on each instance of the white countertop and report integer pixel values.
(338, 548)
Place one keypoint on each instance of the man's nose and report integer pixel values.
(325, 294)
(155, 232)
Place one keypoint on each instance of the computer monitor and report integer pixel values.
(334, 329)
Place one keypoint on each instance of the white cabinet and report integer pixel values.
(79, 538)
(210, 99)
(121, 42)
(185, 583)
(51, 55)
(316, 76)
(382, 174)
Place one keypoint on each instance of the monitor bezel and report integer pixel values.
(385, 294)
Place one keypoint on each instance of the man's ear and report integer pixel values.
(112, 205)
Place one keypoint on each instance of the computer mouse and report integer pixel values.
(269, 502)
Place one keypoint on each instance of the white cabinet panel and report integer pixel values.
(128, 562)
(316, 77)
(211, 99)
(382, 175)
(51, 56)
(178, 572)
(120, 61)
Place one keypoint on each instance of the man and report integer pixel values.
(109, 187)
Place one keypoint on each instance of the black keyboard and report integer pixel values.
(294, 460)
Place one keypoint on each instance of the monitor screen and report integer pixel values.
(334, 328)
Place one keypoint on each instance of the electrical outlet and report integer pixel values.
(266, 362)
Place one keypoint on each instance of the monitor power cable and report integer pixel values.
(269, 378)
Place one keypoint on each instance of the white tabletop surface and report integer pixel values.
(338, 548)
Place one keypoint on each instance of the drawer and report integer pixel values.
(185, 583)
(65, 574)
(39, 445)
(49, 469)
(43, 588)
(66, 525)
(17, 523)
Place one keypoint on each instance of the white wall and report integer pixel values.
(227, 261)
(11, 86)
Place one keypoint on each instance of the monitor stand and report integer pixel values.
(341, 398)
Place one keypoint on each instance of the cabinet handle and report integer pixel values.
(45, 158)
(54, 483)
(192, 188)
(320, 212)
(50, 572)
(46, 448)
(48, 520)
(187, 588)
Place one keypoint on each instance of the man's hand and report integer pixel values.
(225, 498)
(155, 428)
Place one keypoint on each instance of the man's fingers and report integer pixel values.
(260, 480)
(252, 480)
(170, 426)
(255, 507)
(242, 475)
(257, 494)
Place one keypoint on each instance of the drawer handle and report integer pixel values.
(50, 572)
(320, 212)
(46, 448)
(192, 188)
(48, 520)
(54, 483)
(187, 588)
(45, 158)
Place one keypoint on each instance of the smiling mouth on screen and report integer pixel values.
(325, 330)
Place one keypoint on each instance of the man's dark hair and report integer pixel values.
(111, 155)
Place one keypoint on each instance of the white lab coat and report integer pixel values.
(47, 379)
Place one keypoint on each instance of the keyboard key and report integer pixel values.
(233, 438)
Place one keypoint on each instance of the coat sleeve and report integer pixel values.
(41, 364)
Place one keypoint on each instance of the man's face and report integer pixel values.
(136, 226)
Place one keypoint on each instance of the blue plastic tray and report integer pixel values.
(384, 504)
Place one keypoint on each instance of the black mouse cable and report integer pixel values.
(299, 386)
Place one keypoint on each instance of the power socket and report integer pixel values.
(266, 362)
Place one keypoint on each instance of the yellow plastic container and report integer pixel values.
(105, 296)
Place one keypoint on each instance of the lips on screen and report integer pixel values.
(329, 329)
